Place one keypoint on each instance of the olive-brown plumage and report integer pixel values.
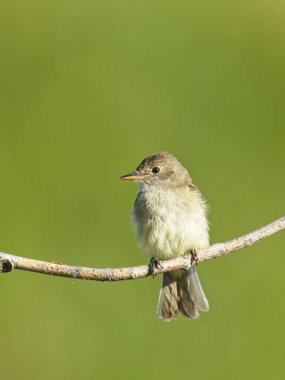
(169, 216)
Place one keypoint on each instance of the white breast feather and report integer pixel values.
(173, 228)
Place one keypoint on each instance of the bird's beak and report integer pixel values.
(134, 176)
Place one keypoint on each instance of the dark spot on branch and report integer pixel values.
(6, 266)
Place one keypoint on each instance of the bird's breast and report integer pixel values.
(168, 223)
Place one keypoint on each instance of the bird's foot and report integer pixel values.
(194, 259)
(154, 264)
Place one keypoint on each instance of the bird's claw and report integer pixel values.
(154, 264)
(194, 259)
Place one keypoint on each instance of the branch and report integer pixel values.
(9, 262)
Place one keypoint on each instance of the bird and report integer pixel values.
(170, 220)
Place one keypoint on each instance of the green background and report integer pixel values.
(88, 89)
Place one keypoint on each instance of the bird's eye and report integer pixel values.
(155, 169)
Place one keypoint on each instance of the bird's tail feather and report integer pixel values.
(168, 298)
(182, 293)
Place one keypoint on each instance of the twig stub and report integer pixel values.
(6, 265)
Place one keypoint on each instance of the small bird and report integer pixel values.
(169, 216)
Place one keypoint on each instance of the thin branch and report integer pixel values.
(9, 262)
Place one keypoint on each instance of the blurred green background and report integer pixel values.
(88, 89)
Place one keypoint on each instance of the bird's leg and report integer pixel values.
(194, 259)
(154, 264)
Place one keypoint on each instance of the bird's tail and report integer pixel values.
(183, 293)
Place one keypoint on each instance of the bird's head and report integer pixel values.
(160, 169)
